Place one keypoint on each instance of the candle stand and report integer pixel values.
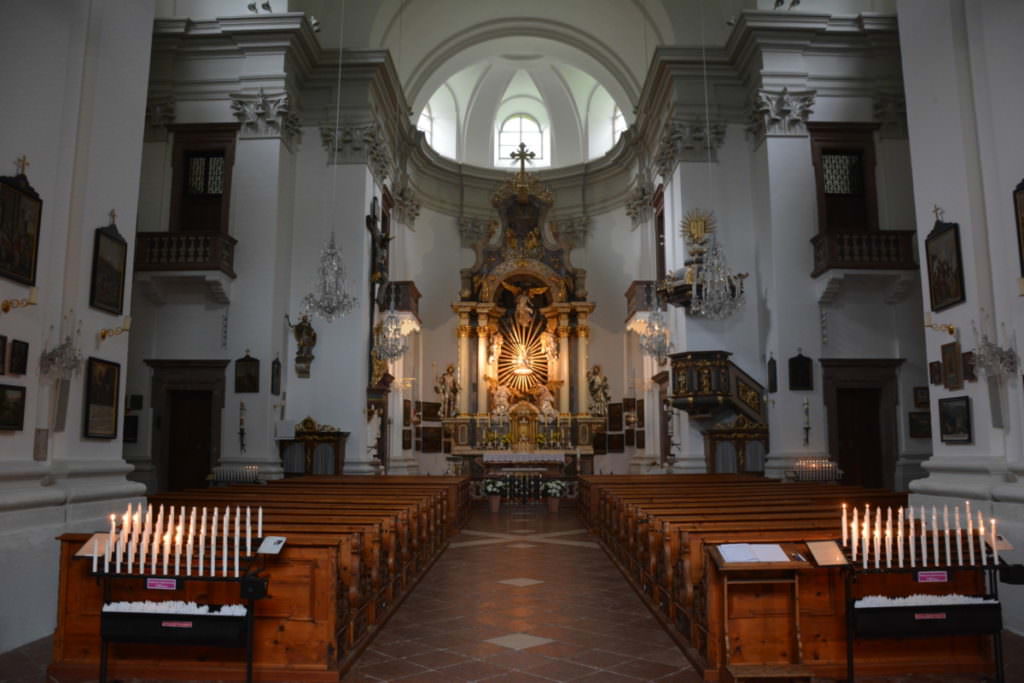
(167, 628)
(928, 620)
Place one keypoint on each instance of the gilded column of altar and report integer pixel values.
(464, 330)
(563, 363)
(482, 352)
(582, 356)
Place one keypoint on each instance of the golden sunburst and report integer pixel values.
(697, 225)
(522, 364)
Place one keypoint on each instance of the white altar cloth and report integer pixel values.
(504, 456)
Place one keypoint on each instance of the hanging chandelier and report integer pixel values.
(329, 300)
(652, 329)
(389, 343)
(717, 291)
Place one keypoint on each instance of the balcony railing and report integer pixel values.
(881, 250)
(185, 251)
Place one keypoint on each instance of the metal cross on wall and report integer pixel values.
(522, 156)
(21, 163)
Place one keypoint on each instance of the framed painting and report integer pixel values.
(19, 357)
(109, 257)
(614, 417)
(801, 373)
(945, 266)
(431, 411)
(1018, 213)
(406, 439)
(102, 384)
(134, 402)
(920, 425)
(616, 443)
(20, 213)
(432, 437)
(275, 377)
(955, 420)
(247, 375)
(952, 366)
(131, 428)
(935, 372)
(920, 397)
(3, 355)
(970, 365)
(12, 407)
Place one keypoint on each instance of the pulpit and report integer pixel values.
(299, 454)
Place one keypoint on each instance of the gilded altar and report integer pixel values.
(522, 336)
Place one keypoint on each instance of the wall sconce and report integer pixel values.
(114, 331)
(938, 327)
(7, 305)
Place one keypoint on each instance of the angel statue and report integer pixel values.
(497, 341)
(446, 385)
(545, 403)
(372, 433)
(549, 347)
(501, 395)
(524, 309)
(597, 384)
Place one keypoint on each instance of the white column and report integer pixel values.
(482, 353)
(642, 459)
(464, 330)
(563, 363)
(582, 339)
(400, 461)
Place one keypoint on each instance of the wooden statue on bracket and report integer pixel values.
(380, 235)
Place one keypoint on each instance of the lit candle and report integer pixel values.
(888, 545)
(113, 530)
(259, 522)
(177, 550)
(854, 532)
(844, 525)
(120, 549)
(878, 548)
(865, 543)
(959, 542)
(970, 535)
(945, 528)
(238, 523)
(131, 554)
(899, 538)
(96, 554)
(924, 539)
(155, 550)
(202, 540)
(981, 539)
(248, 531)
(213, 544)
(935, 536)
(143, 545)
(167, 549)
(106, 556)
(910, 535)
(995, 548)
(226, 522)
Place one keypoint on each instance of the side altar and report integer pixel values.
(520, 391)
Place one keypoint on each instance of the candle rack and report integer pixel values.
(172, 628)
(929, 620)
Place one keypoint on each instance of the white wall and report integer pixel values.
(78, 117)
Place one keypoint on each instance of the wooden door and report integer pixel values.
(859, 435)
(189, 440)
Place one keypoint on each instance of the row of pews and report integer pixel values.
(355, 547)
(777, 620)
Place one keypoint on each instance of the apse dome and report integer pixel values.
(481, 113)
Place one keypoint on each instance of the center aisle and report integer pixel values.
(522, 595)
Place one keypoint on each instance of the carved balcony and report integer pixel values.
(168, 261)
(877, 250)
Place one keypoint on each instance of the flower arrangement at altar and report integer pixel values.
(494, 487)
(554, 488)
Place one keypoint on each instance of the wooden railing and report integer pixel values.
(880, 250)
(185, 251)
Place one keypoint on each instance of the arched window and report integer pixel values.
(426, 124)
(520, 128)
(618, 125)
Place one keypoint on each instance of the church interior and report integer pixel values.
(715, 279)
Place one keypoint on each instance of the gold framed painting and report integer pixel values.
(952, 366)
(102, 385)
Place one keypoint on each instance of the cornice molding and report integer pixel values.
(265, 116)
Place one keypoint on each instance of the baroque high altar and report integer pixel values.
(522, 341)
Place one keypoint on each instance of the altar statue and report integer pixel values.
(597, 384)
(545, 403)
(549, 347)
(502, 397)
(372, 433)
(497, 341)
(446, 386)
(524, 309)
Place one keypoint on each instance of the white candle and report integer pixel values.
(945, 529)
(248, 531)
(854, 532)
(167, 550)
(113, 530)
(981, 539)
(888, 545)
(970, 535)
(935, 536)
(878, 548)
(147, 528)
(995, 549)
(177, 550)
(120, 549)
(143, 545)
(188, 558)
(844, 525)
(924, 539)
(259, 522)
(155, 550)
(213, 545)
(95, 555)
(238, 523)
(959, 542)
(910, 535)
(899, 538)
(226, 522)
(131, 554)
(106, 556)
(864, 542)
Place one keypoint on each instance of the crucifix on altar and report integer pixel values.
(522, 155)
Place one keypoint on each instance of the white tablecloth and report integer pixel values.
(523, 457)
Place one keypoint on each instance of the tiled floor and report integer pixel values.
(516, 597)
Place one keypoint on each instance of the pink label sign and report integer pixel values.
(162, 584)
(927, 616)
(176, 624)
(932, 577)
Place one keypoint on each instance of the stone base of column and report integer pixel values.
(404, 464)
(642, 463)
(361, 467)
(690, 463)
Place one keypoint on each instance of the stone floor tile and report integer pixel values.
(519, 641)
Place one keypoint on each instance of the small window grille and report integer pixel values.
(843, 173)
(206, 174)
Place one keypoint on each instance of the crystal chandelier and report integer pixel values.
(717, 291)
(330, 299)
(389, 343)
(652, 329)
(993, 359)
(64, 359)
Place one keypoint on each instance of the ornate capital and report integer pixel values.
(687, 140)
(264, 116)
(159, 115)
(359, 144)
(583, 331)
(407, 209)
(891, 113)
(571, 230)
(780, 113)
(464, 331)
(639, 207)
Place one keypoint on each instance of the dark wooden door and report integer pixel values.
(859, 435)
(190, 439)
